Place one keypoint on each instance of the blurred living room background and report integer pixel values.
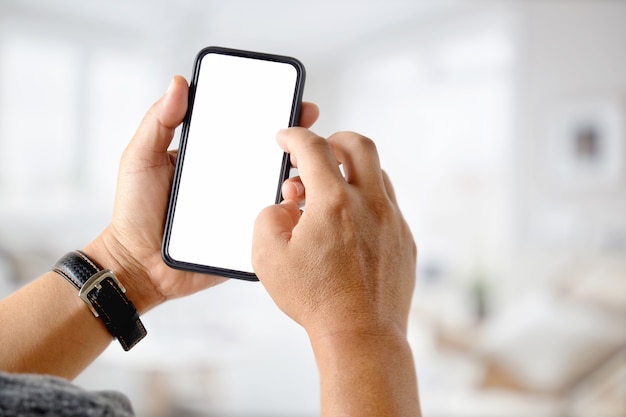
(501, 123)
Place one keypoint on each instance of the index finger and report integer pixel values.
(314, 158)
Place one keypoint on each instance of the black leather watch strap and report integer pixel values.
(104, 295)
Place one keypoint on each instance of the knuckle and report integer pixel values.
(339, 198)
(380, 206)
(314, 143)
(356, 140)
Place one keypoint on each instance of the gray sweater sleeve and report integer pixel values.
(37, 395)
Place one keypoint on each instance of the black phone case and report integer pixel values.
(284, 169)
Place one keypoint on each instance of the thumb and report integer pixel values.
(156, 130)
(272, 232)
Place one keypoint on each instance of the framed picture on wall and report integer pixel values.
(587, 143)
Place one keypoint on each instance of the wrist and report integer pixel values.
(109, 253)
(361, 339)
(371, 343)
(356, 322)
(365, 373)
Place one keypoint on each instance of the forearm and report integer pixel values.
(46, 329)
(366, 375)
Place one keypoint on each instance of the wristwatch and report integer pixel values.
(104, 295)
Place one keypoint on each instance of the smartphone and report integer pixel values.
(229, 166)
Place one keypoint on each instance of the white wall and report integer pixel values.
(574, 68)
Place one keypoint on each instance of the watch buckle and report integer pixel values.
(95, 282)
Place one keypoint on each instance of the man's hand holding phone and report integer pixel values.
(131, 244)
(344, 268)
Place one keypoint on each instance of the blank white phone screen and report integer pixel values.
(231, 163)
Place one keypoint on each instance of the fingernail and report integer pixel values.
(170, 87)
